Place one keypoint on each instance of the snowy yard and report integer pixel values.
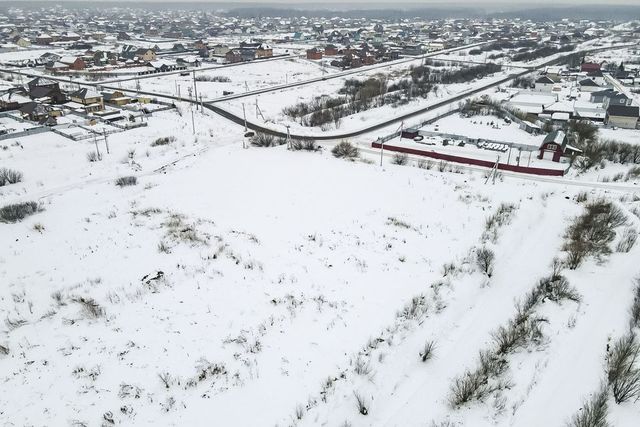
(231, 274)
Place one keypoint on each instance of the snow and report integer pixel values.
(279, 270)
(481, 127)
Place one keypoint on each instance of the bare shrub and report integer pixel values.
(361, 366)
(166, 140)
(623, 374)
(593, 413)
(166, 379)
(299, 412)
(442, 166)
(304, 145)
(501, 217)
(4, 350)
(424, 164)
(125, 181)
(591, 232)
(635, 306)
(14, 323)
(92, 157)
(361, 403)
(398, 222)
(582, 197)
(517, 334)
(400, 159)
(484, 260)
(9, 176)
(263, 140)
(90, 308)
(427, 350)
(414, 309)
(345, 150)
(556, 288)
(18, 211)
(163, 247)
(627, 240)
(212, 79)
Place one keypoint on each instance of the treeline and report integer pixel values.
(503, 44)
(424, 74)
(541, 52)
(361, 95)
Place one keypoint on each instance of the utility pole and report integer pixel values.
(195, 88)
(106, 143)
(244, 114)
(193, 122)
(95, 141)
(288, 138)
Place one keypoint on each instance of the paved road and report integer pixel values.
(396, 119)
(385, 122)
(343, 73)
(106, 84)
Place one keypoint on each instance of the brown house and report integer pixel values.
(91, 100)
(330, 50)
(264, 51)
(314, 53)
(73, 63)
(233, 56)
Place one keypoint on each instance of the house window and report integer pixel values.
(552, 147)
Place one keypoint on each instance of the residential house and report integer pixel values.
(115, 97)
(92, 100)
(13, 99)
(588, 67)
(555, 146)
(544, 84)
(42, 88)
(615, 98)
(599, 96)
(73, 63)
(146, 55)
(233, 56)
(588, 85)
(624, 116)
(597, 77)
(314, 53)
(330, 50)
(34, 111)
(264, 51)
(44, 39)
(21, 41)
(220, 49)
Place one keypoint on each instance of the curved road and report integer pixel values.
(321, 137)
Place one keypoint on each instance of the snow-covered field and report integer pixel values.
(267, 287)
(242, 78)
(271, 104)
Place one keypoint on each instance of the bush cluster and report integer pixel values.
(529, 55)
(125, 181)
(17, 212)
(345, 150)
(591, 232)
(163, 141)
(9, 176)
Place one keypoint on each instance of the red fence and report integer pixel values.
(470, 161)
